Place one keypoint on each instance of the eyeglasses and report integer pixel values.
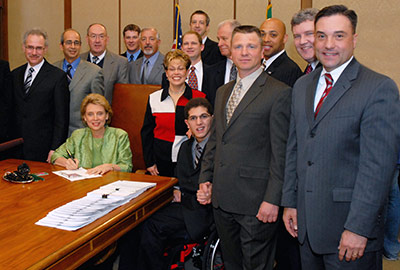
(94, 36)
(32, 48)
(202, 117)
(70, 42)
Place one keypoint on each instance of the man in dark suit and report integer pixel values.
(83, 77)
(4, 100)
(184, 220)
(342, 152)
(303, 35)
(223, 71)
(200, 23)
(148, 69)
(131, 35)
(115, 67)
(40, 101)
(245, 156)
(276, 62)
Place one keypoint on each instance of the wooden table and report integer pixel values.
(24, 245)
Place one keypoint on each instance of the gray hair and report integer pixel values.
(303, 15)
(36, 32)
(102, 25)
(233, 23)
(151, 28)
(66, 30)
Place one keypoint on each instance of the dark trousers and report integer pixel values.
(164, 227)
(313, 261)
(246, 242)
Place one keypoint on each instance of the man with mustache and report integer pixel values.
(276, 62)
(148, 69)
(83, 77)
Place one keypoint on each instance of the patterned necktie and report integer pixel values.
(95, 59)
(28, 80)
(233, 73)
(329, 83)
(192, 81)
(308, 69)
(144, 73)
(233, 101)
(131, 58)
(198, 152)
(69, 75)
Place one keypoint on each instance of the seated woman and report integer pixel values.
(164, 128)
(98, 146)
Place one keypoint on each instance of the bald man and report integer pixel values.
(276, 62)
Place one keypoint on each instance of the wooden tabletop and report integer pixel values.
(24, 245)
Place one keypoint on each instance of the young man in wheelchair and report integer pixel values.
(184, 220)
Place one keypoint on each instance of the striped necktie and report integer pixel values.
(28, 80)
(69, 75)
(329, 84)
(198, 152)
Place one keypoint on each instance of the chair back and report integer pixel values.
(129, 106)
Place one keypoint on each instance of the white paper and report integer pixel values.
(74, 175)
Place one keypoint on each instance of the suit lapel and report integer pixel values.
(310, 95)
(39, 77)
(80, 70)
(225, 96)
(251, 94)
(339, 89)
(108, 66)
(155, 70)
(275, 64)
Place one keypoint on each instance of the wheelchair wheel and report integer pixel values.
(212, 257)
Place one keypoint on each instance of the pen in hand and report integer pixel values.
(70, 156)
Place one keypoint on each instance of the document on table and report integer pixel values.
(79, 213)
(74, 175)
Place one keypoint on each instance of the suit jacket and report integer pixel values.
(42, 115)
(211, 53)
(4, 100)
(197, 217)
(339, 166)
(140, 55)
(284, 69)
(155, 76)
(115, 70)
(215, 75)
(88, 78)
(245, 159)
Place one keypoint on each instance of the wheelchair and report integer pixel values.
(206, 255)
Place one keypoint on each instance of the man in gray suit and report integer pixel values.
(245, 156)
(148, 69)
(83, 77)
(114, 66)
(342, 152)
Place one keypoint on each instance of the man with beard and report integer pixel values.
(148, 69)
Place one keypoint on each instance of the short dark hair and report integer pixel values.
(131, 27)
(197, 102)
(200, 12)
(193, 33)
(247, 29)
(303, 15)
(338, 10)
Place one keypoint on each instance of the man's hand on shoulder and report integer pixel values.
(267, 212)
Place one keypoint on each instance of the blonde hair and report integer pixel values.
(176, 54)
(96, 99)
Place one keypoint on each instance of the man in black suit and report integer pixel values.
(245, 156)
(131, 35)
(200, 23)
(4, 100)
(303, 35)
(276, 62)
(223, 71)
(40, 100)
(184, 220)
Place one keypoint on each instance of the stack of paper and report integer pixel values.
(95, 204)
(74, 175)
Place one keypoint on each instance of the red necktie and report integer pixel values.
(329, 83)
(192, 81)
(308, 69)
